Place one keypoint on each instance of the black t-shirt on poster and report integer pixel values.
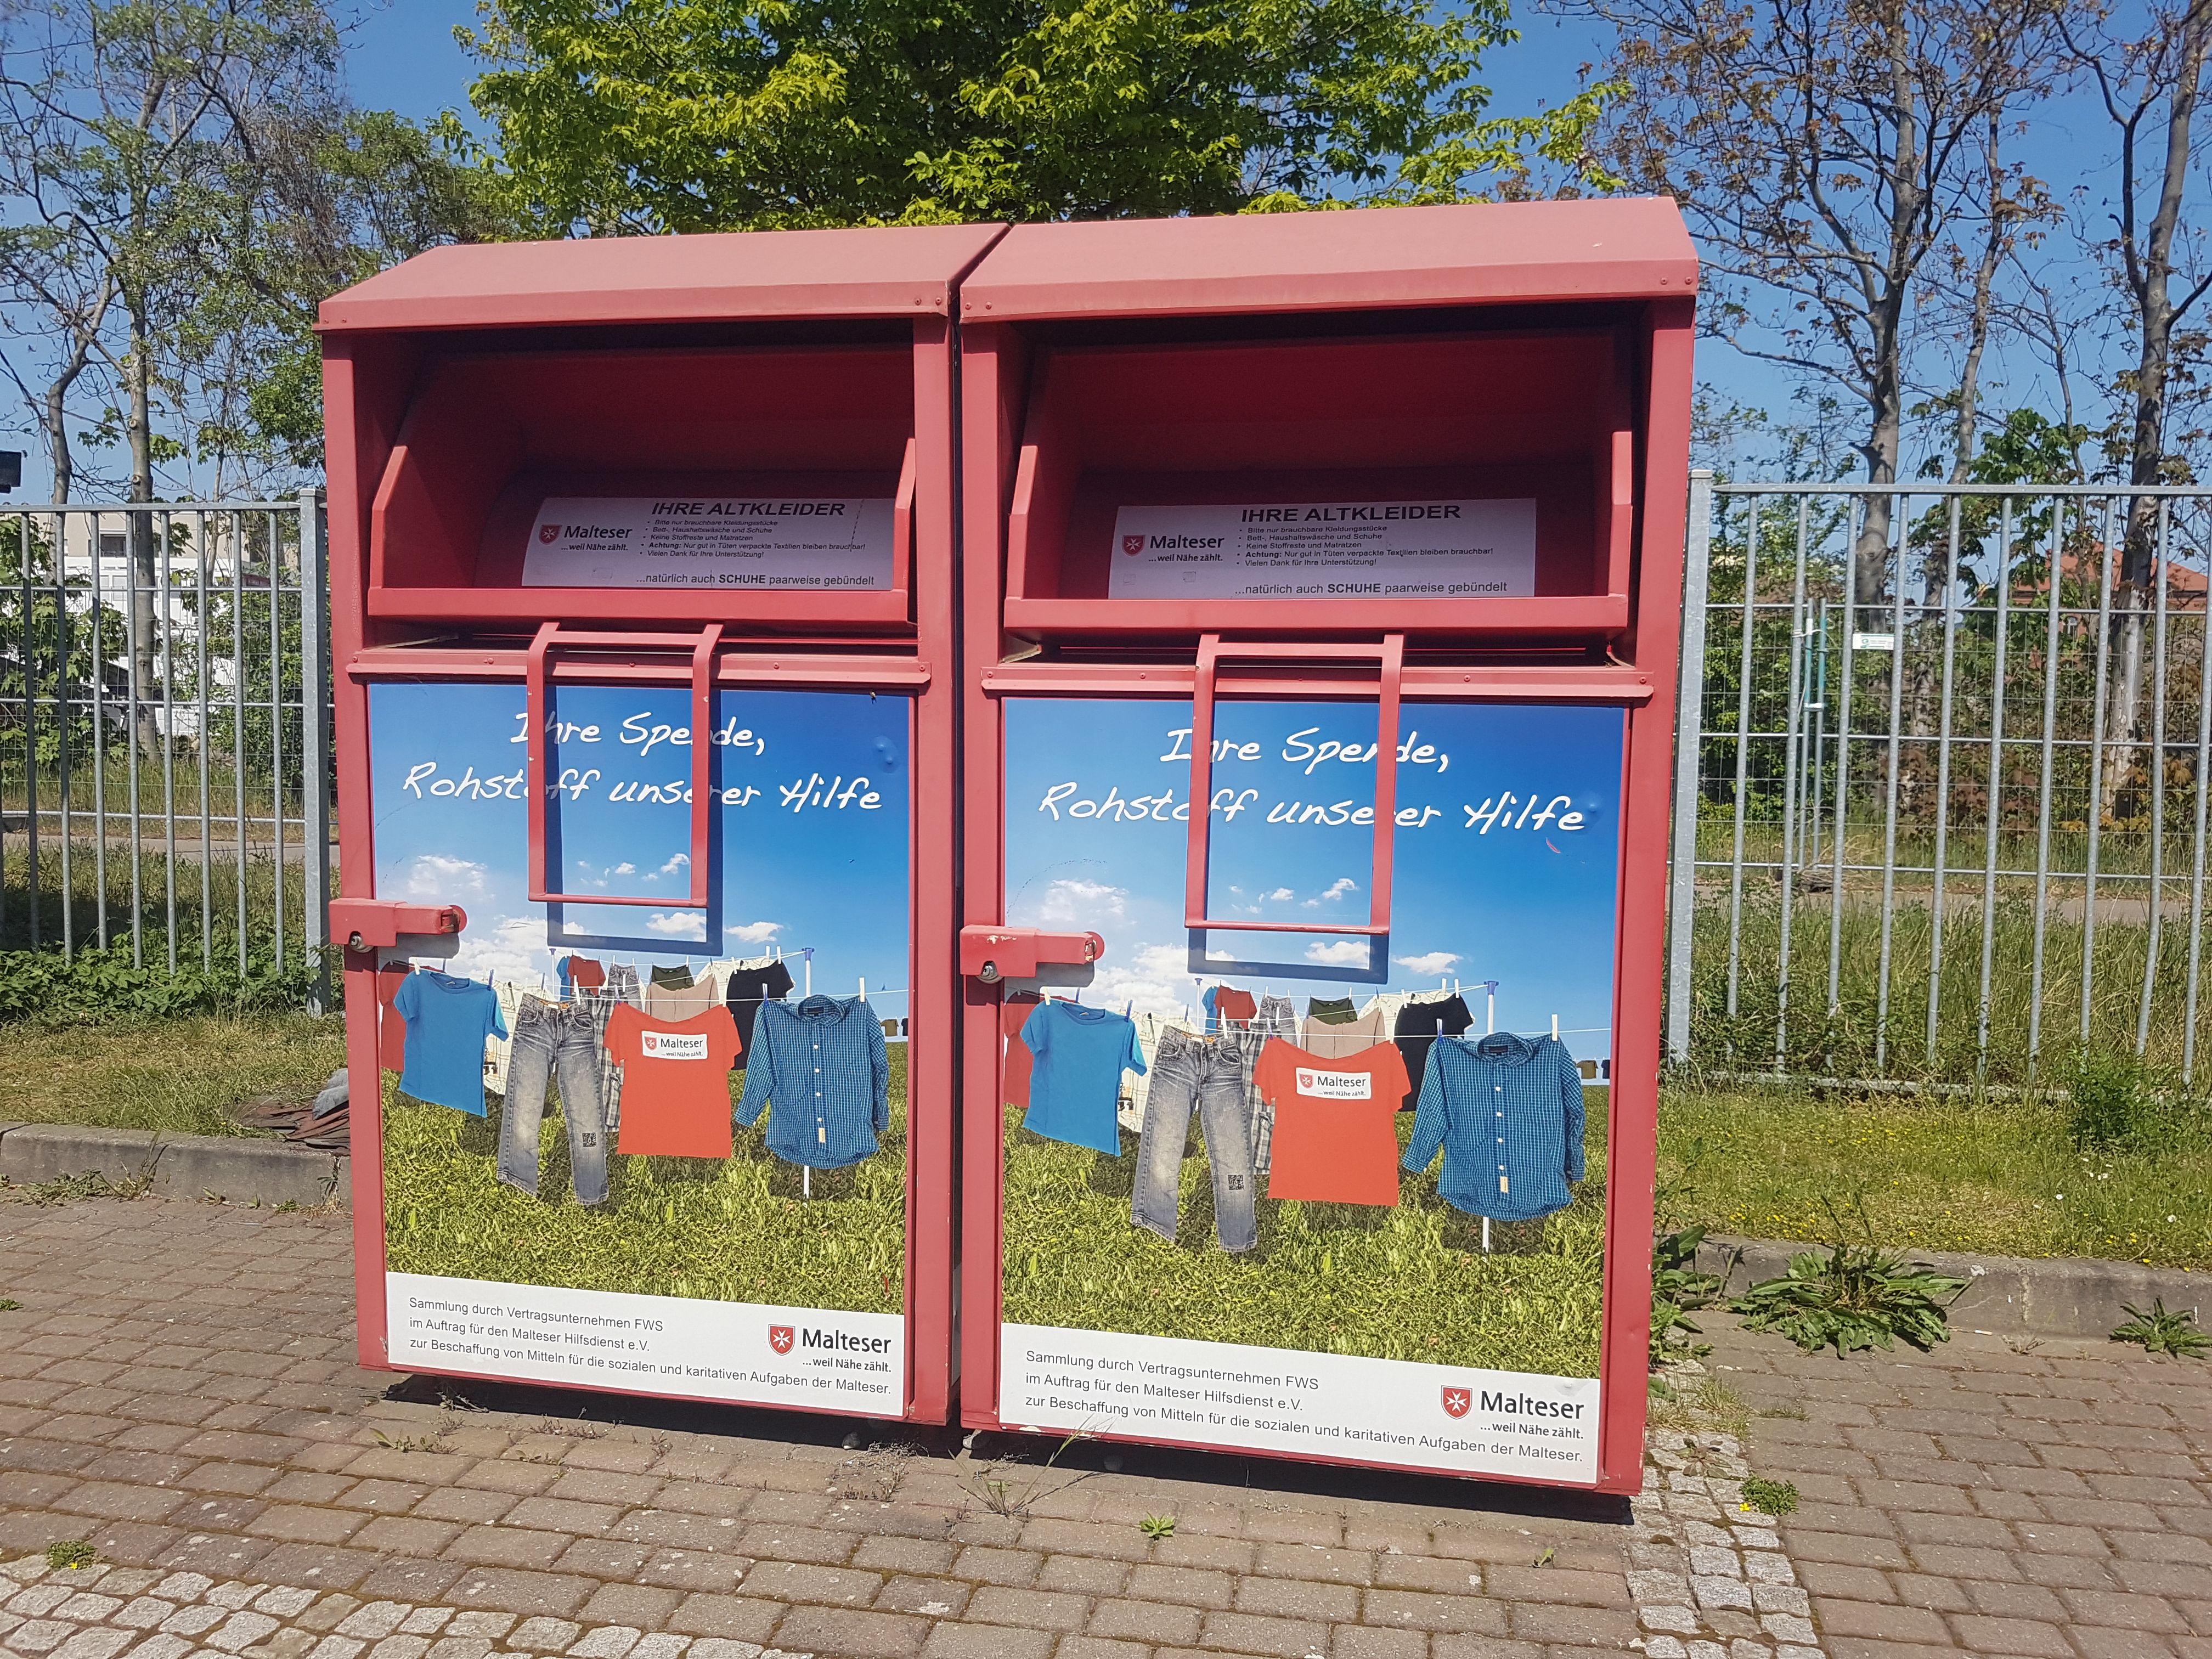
(1417, 1027)
(748, 988)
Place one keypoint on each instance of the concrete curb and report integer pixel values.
(2053, 1296)
(236, 1170)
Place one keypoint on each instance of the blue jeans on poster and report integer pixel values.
(554, 1039)
(1207, 1075)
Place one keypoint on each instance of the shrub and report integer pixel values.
(98, 985)
(2163, 1330)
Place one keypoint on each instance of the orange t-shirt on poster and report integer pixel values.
(1336, 1136)
(676, 1081)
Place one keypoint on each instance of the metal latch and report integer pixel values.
(368, 924)
(992, 954)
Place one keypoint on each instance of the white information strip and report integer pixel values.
(1325, 551)
(731, 542)
(1401, 1412)
(737, 1350)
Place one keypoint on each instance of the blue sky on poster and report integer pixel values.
(1521, 891)
(812, 831)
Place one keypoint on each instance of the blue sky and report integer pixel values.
(1531, 907)
(799, 864)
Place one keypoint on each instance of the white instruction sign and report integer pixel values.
(1325, 551)
(763, 542)
(745, 1352)
(1405, 1413)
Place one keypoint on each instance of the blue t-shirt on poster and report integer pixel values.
(447, 1020)
(1076, 1082)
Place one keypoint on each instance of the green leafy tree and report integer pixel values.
(645, 116)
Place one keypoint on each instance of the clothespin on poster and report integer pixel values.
(809, 954)
(1555, 1027)
(864, 990)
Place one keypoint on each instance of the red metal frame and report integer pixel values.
(1211, 653)
(702, 754)
(378, 340)
(1623, 265)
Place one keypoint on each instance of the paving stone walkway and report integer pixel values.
(1998, 1496)
(179, 1389)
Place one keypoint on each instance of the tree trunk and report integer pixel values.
(145, 571)
(2133, 593)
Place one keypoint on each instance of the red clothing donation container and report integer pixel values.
(1364, 529)
(643, 604)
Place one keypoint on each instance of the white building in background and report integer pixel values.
(95, 560)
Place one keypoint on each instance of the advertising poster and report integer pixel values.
(643, 1145)
(1330, 1193)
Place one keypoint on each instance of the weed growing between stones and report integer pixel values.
(2165, 1331)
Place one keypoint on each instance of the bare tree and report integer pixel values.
(1827, 153)
(2150, 84)
(123, 122)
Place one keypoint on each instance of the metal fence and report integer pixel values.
(164, 732)
(1940, 813)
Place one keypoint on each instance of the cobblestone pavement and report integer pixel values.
(178, 1389)
(1999, 1496)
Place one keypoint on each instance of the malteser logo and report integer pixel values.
(781, 1337)
(549, 533)
(672, 1045)
(1133, 545)
(1457, 1401)
(1335, 1085)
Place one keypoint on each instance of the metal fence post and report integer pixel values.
(315, 738)
(1689, 726)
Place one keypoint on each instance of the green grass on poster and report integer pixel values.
(1406, 1283)
(735, 1232)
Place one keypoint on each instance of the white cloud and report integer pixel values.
(1075, 902)
(1336, 890)
(1435, 961)
(625, 868)
(1156, 979)
(1341, 953)
(433, 875)
(677, 924)
(674, 865)
(514, 950)
(752, 933)
(1282, 893)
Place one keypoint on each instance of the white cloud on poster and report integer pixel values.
(1340, 953)
(679, 861)
(677, 924)
(514, 949)
(1155, 979)
(1075, 902)
(433, 876)
(1282, 895)
(1336, 890)
(625, 868)
(1432, 961)
(752, 933)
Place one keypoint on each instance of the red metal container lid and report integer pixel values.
(904, 271)
(1357, 260)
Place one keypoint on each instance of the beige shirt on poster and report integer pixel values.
(672, 1003)
(1325, 1042)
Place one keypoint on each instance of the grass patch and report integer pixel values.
(175, 1076)
(1992, 1177)
(1769, 1497)
(734, 1231)
(1406, 1283)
